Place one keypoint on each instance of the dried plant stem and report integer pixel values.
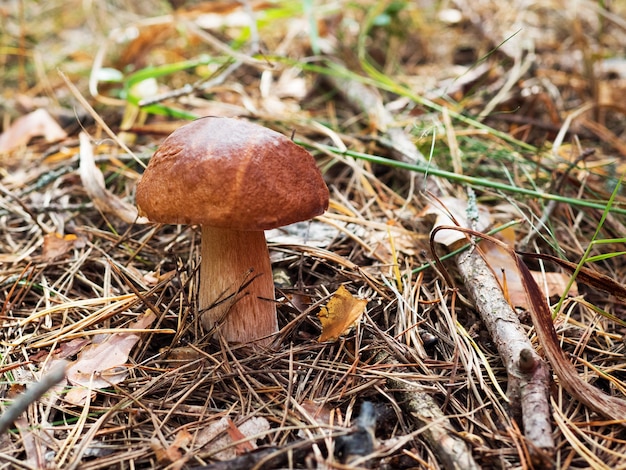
(528, 374)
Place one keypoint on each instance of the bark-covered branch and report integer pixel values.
(528, 374)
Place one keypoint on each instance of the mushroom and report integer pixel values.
(235, 179)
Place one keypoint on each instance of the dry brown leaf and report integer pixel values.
(56, 245)
(103, 362)
(505, 269)
(236, 435)
(320, 412)
(585, 275)
(340, 314)
(299, 301)
(217, 436)
(173, 452)
(554, 283)
(37, 123)
(69, 348)
(93, 182)
(181, 354)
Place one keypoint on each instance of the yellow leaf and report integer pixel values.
(342, 311)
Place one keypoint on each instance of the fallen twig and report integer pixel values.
(528, 375)
(439, 433)
(32, 394)
(436, 427)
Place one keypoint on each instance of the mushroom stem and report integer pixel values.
(230, 260)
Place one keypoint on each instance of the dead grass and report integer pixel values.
(70, 268)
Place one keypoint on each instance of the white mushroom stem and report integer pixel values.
(230, 260)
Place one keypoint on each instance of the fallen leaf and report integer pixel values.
(319, 412)
(103, 362)
(153, 278)
(37, 123)
(298, 300)
(70, 348)
(505, 269)
(181, 354)
(317, 415)
(555, 283)
(172, 453)
(236, 435)
(56, 245)
(340, 314)
(217, 437)
(585, 275)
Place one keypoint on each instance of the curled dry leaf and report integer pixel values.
(340, 314)
(236, 435)
(320, 413)
(173, 453)
(453, 211)
(184, 354)
(69, 348)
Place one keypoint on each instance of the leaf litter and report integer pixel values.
(340, 314)
(483, 90)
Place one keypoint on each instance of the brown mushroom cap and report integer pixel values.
(232, 174)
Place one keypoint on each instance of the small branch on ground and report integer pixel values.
(437, 429)
(31, 395)
(438, 432)
(528, 375)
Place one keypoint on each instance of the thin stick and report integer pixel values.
(31, 395)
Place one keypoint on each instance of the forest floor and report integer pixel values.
(469, 268)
